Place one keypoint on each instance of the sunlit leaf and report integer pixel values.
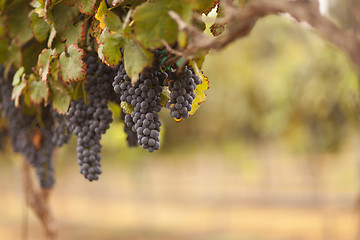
(73, 34)
(86, 6)
(110, 49)
(164, 96)
(72, 66)
(112, 21)
(153, 23)
(39, 27)
(60, 98)
(38, 92)
(43, 64)
(199, 91)
(51, 36)
(17, 76)
(17, 91)
(136, 59)
(128, 108)
(100, 13)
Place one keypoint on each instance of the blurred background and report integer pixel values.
(271, 155)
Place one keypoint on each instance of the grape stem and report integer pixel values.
(38, 201)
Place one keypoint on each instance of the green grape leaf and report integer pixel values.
(69, 3)
(72, 66)
(18, 89)
(73, 34)
(39, 7)
(109, 49)
(17, 76)
(128, 108)
(86, 6)
(43, 64)
(59, 46)
(39, 27)
(51, 36)
(42, 8)
(112, 21)
(60, 98)
(19, 24)
(63, 16)
(38, 92)
(136, 59)
(200, 96)
(153, 23)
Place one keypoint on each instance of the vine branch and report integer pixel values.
(240, 21)
(39, 203)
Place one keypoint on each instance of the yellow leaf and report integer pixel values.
(128, 108)
(101, 11)
(199, 91)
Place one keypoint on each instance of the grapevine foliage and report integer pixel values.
(62, 62)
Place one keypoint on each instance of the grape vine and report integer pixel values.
(97, 52)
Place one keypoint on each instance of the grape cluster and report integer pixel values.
(61, 135)
(90, 121)
(131, 136)
(82, 123)
(144, 97)
(22, 131)
(182, 93)
(89, 117)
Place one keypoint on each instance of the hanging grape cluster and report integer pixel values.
(182, 93)
(30, 136)
(144, 97)
(88, 117)
(90, 121)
